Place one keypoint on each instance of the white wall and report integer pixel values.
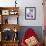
(27, 3)
(39, 13)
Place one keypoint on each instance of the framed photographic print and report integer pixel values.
(10, 19)
(5, 12)
(5, 19)
(13, 20)
(30, 13)
(7, 34)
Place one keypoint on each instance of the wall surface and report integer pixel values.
(26, 3)
(39, 13)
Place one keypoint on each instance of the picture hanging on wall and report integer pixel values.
(30, 13)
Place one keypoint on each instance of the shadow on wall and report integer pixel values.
(37, 29)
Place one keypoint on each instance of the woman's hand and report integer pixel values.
(32, 41)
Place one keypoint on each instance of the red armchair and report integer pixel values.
(28, 34)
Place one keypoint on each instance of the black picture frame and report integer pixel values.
(30, 13)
